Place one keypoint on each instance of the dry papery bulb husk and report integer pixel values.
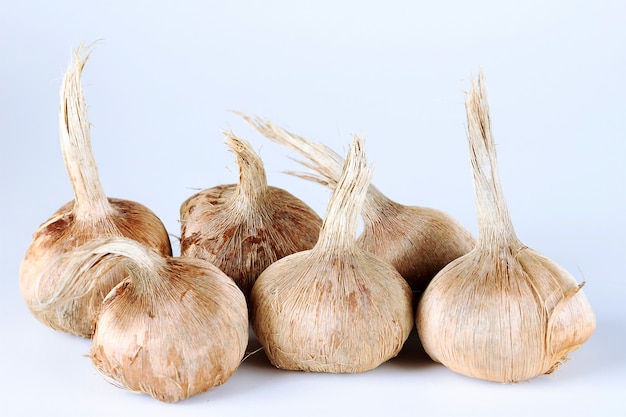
(173, 328)
(334, 308)
(242, 228)
(417, 241)
(90, 215)
(503, 312)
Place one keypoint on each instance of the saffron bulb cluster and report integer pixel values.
(318, 296)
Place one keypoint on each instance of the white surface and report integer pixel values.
(161, 84)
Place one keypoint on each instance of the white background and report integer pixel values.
(160, 87)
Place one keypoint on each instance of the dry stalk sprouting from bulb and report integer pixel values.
(417, 241)
(334, 308)
(503, 312)
(90, 215)
(242, 228)
(173, 328)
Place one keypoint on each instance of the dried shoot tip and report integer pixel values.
(493, 215)
(342, 216)
(75, 134)
(252, 176)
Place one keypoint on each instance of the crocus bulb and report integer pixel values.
(333, 308)
(89, 216)
(503, 312)
(242, 228)
(172, 328)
